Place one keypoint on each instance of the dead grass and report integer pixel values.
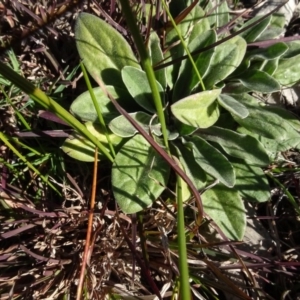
(42, 237)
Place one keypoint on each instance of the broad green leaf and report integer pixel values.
(83, 106)
(188, 79)
(288, 71)
(176, 50)
(251, 34)
(259, 81)
(271, 66)
(226, 208)
(271, 33)
(212, 161)
(217, 13)
(233, 106)
(137, 84)
(139, 175)
(270, 145)
(273, 146)
(227, 57)
(198, 110)
(80, 148)
(192, 169)
(103, 49)
(157, 56)
(264, 122)
(287, 115)
(269, 53)
(222, 13)
(251, 182)
(278, 20)
(264, 59)
(293, 49)
(237, 145)
(123, 128)
(201, 24)
(193, 25)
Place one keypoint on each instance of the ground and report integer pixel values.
(42, 234)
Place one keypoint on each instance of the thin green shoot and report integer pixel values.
(184, 287)
(147, 66)
(19, 115)
(29, 165)
(45, 101)
(98, 109)
(184, 45)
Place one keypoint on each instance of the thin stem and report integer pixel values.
(97, 107)
(89, 229)
(183, 266)
(184, 45)
(146, 64)
(21, 157)
(41, 98)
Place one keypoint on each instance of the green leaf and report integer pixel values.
(271, 33)
(222, 13)
(227, 57)
(273, 146)
(192, 169)
(188, 79)
(233, 106)
(270, 145)
(251, 34)
(212, 161)
(288, 71)
(174, 52)
(104, 51)
(123, 128)
(293, 49)
(81, 149)
(83, 106)
(137, 84)
(259, 81)
(217, 13)
(269, 53)
(265, 122)
(201, 23)
(198, 110)
(237, 145)
(271, 66)
(226, 208)
(251, 182)
(287, 115)
(157, 56)
(139, 175)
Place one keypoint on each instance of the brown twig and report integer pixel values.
(89, 229)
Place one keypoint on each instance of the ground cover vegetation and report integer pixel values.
(135, 169)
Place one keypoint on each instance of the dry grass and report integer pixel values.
(42, 236)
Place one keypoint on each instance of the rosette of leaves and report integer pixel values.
(219, 132)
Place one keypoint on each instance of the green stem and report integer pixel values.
(18, 154)
(184, 45)
(97, 107)
(147, 66)
(41, 98)
(183, 265)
